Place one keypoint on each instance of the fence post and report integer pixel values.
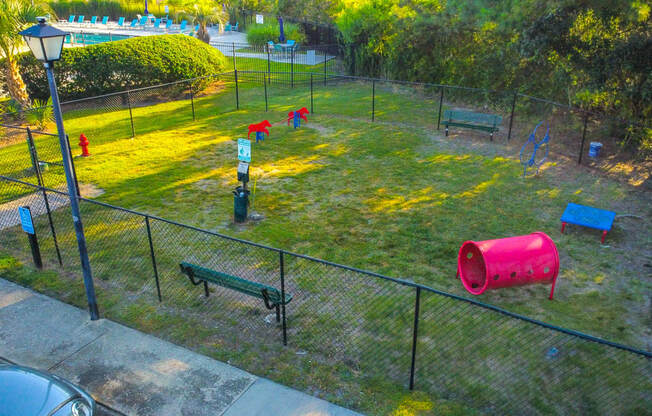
(441, 102)
(312, 111)
(324, 66)
(151, 253)
(373, 100)
(39, 178)
(265, 84)
(269, 68)
(282, 267)
(74, 171)
(233, 53)
(292, 68)
(131, 116)
(511, 118)
(237, 96)
(192, 100)
(586, 120)
(414, 336)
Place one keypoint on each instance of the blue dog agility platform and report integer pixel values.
(588, 217)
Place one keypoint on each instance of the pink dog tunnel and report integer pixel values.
(506, 262)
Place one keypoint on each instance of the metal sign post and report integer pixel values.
(241, 193)
(28, 226)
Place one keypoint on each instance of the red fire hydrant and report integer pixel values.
(83, 143)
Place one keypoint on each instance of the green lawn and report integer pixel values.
(392, 196)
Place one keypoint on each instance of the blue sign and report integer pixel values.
(244, 150)
(26, 220)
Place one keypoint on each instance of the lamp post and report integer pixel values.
(46, 43)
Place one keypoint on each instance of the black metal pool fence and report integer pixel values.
(346, 330)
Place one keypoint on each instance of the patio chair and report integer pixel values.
(227, 27)
(71, 19)
(133, 23)
(234, 28)
(157, 23)
(183, 25)
(143, 21)
(81, 19)
(105, 20)
(121, 21)
(93, 20)
(168, 24)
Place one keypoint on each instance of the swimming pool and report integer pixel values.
(92, 38)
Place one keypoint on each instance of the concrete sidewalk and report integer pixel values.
(132, 372)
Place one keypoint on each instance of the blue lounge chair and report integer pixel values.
(157, 23)
(168, 24)
(291, 46)
(121, 21)
(197, 27)
(182, 26)
(105, 20)
(81, 19)
(234, 28)
(143, 21)
(71, 19)
(93, 20)
(133, 23)
(227, 27)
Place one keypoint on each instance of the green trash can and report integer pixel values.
(240, 204)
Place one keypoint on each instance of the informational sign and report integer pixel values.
(244, 150)
(259, 19)
(26, 219)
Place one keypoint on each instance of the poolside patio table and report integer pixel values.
(286, 47)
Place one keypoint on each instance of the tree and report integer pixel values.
(16, 15)
(205, 13)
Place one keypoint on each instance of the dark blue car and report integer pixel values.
(28, 392)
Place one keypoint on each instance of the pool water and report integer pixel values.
(92, 38)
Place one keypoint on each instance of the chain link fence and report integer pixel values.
(259, 83)
(345, 330)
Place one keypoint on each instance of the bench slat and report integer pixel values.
(471, 126)
(233, 282)
(481, 118)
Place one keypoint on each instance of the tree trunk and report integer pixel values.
(15, 84)
(202, 34)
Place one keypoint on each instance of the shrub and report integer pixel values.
(258, 35)
(125, 64)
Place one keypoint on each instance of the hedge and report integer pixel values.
(259, 35)
(124, 64)
(112, 8)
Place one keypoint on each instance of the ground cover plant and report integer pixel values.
(392, 196)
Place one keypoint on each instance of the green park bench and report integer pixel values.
(271, 296)
(471, 120)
